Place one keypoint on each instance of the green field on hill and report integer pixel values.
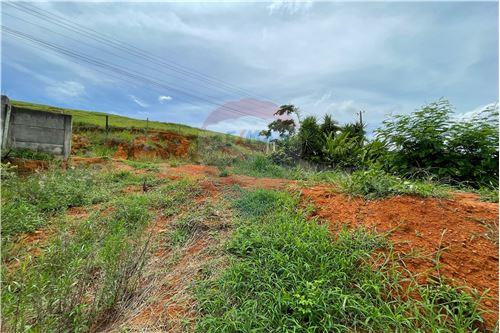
(82, 118)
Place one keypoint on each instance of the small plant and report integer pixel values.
(224, 173)
(148, 166)
(7, 170)
(30, 154)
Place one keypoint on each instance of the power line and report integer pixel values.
(127, 48)
(112, 68)
(82, 42)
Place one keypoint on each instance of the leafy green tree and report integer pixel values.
(284, 127)
(473, 148)
(355, 131)
(342, 151)
(418, 140)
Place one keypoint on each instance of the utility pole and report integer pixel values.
(360, 112)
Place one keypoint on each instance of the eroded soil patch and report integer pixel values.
(420, 227)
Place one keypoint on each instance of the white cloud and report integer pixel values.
(138, 101)
(242, 126)
(164, 98)
(289, 7)
(64, 90)
(328, 57)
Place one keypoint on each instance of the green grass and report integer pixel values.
(258, 165)
(88, 269)
(28, 202)
(148, 166)
(81, 276)
(370, 184)
(30, 154)
(288, 274)
(488, 194)
(374, 183)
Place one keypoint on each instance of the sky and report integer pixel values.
(226, 66)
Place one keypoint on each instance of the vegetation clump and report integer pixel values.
(430, 143)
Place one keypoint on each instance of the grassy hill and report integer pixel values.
(83, 118)
(137, 139)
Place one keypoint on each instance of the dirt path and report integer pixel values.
(165, 300)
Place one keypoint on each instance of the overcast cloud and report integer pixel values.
(335, 58)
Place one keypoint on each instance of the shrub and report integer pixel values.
(430, 141)
(311, 139)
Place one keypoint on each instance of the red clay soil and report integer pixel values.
(464, 228)
(203, 171)
(79, 143)
(29, 166)
(156, 145)
(77, 160)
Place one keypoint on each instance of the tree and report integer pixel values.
(329, 126)
(284, 127)
(355, 131)
(311, 139)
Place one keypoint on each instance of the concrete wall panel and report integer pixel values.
(37, 130)
(37, 119)
(37, 134)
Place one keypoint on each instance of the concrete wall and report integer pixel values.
(38, 130)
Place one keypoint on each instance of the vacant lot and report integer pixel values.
(175, 229)
(110, 245)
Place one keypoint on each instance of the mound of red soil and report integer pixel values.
(465, 229)
(156, 145)
(79, 143)
(28, 166)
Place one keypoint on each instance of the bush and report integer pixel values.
(311, 139)
(429, 141)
